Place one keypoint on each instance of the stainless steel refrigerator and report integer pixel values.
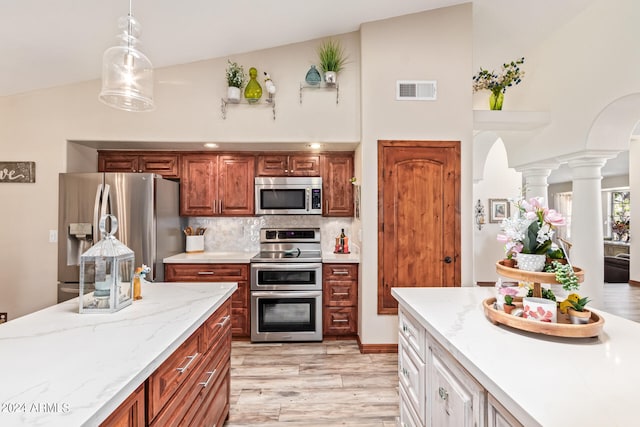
(145, 205)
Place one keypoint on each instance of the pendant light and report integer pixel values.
(127, 73)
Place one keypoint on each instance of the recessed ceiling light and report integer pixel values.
(314, 145)
(211, 145)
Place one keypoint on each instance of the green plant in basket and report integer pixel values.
(546, 294)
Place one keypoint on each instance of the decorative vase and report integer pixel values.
(233, 94)
(253, 91)
(579, 317)
(313, 76)
(330, 77)
(495, 101)
(539, 309)
(531, 262)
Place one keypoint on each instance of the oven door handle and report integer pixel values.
(270, 266)
(287, 294)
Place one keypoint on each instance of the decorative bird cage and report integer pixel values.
(108, 267)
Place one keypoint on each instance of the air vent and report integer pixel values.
(416, 90)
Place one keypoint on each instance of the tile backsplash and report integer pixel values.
(242, 234)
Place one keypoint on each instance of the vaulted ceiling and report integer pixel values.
(52, 43)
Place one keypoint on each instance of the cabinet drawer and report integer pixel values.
(340, 272)
(340, 320)
(408, 416)
(164, 382)
(412, 374)
(413, 333)
(177, 410)
(211, 404)
(340, 293)
(206, 272)
(217, 326)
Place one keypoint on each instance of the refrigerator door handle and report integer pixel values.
(96, 218)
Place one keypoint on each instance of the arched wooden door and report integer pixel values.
(418, 217)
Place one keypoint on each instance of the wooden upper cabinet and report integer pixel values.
(337, 189)
(165, 164)
(236, 184)
(198, 185)
(288, 165)
(213, 185)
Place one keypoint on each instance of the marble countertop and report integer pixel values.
(545, 381)
(245, 258)
(61, 368)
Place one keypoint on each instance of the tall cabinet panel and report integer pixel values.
(236, 184)
(337, 171)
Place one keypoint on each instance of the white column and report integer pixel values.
(534, 177)
(587, 251)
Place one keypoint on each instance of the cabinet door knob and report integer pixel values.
(443, 393)
(448, 259)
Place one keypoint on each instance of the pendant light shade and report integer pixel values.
(127, 73)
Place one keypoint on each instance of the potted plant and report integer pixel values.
(508, 304)
(528, 234)
(235, 80)
(498, 83)
(574, 306)
(332, 60)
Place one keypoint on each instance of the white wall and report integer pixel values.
(435, 45)
(634, 184)
(575, 74)
(499, 182)
(36, 127)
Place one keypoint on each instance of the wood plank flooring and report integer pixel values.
(331, 383)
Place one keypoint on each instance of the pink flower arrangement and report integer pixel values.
(531, 230)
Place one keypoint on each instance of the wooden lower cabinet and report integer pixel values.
(340, 300)
(238, 273)
(191, 387)
(130, 413)
(435, 390)
(199, 376)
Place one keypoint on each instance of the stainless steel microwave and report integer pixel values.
(288, 196)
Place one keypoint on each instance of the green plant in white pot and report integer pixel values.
(332, 60)
(235, 80)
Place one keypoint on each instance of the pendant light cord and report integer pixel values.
(129, 27)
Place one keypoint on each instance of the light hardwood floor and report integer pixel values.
(331, 383)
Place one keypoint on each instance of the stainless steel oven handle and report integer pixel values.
(286, 294)
(285, 266)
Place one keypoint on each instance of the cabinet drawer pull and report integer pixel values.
(185, 367)
(443, 393)
(225, 319)
(340, 273)
(340, 320)
(204, 384)
(341, 293)
(206, 273)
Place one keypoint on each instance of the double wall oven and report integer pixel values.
(286, 286)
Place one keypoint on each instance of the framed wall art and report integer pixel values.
(498, 210)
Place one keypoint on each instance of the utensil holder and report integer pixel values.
(195, 244)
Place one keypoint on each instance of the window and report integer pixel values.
(620, 214)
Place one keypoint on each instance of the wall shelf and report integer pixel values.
(267, 102)
(509, 120)
(322, 86)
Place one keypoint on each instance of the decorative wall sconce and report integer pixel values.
(479, 214)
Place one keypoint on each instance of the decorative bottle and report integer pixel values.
(313, 76)
(137, 286)
(253, 91)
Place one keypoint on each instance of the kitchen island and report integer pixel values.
(61, 368)
(506, 376)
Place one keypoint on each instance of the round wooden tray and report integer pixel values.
(533, 276)
(564, 328)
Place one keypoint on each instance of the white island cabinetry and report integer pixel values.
(467, 371)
